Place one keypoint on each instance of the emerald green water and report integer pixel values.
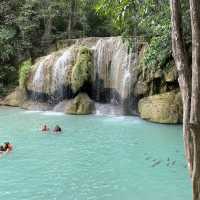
(95, 158)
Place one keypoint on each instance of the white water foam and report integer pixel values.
(51, 113)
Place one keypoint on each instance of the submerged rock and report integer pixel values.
(162, 108)
(80, 105)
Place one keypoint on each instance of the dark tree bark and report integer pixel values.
(190, 92)
(195, 99)
(181, 59)
(72, 5)
(48, 28)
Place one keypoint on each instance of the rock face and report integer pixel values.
(154, 80)
(162, 108)
(80, 105)
(14, 99)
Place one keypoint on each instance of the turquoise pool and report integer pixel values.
(96, 158)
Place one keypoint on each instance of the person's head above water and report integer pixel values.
(57, 129)
(6, 146)
(2, 148)
(45, 128)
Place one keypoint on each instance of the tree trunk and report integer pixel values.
(48, 28)
(46, 37)
(196, 164)
(181, 59)
(195, 99)
(69, 27)
(71, 17)
(190, 93)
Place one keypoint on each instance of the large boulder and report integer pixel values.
(80, 105)
(162, 108)
(15, 99)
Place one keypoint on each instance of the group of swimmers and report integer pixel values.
(6, 147)
(56, 129)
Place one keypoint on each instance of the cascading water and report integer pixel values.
(112, 75)
(39, 78)
(49, 81)
(112, 78)
(59, 78)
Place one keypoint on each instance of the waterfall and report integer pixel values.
(112, 74)
(59, 74)
(49, 81)
(38, 81)
(127, 78)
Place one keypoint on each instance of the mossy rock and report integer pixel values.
(82, 70)
(24, 72)
(162, 108)
(80, 105)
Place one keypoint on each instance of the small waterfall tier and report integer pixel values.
(113, 63)
(49, 79)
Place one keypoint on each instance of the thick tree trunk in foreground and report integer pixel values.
(195, 99)
(190, 93)
(196, 169)
(181, 59)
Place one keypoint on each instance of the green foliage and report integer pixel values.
(137, 17)
(82, 69)
(158, 52)
(24, 72)
(147, 18)
(29, 27)
(6, 47)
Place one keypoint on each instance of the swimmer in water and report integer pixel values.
(6, 147)
(57, 129)
(44, 128)
(1, 149)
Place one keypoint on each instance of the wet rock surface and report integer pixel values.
(162, 108)
(80, 105)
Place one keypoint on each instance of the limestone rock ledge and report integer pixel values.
(162, 108)
(15, 99)
(80, 105)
